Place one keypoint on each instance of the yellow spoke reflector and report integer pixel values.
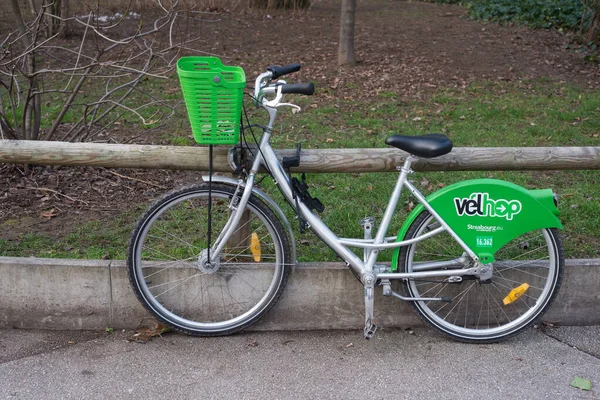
(515, 293)
(255, 247)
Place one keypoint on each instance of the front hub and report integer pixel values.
(205, 265)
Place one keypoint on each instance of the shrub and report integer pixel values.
(566, 14)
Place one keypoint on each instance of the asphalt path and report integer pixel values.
(396, 364)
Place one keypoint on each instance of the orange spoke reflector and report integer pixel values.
(515, 294)
(255, 247)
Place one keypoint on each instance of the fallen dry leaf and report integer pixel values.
(49, 214)
(143, 335)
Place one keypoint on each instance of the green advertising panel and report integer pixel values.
(488, 213)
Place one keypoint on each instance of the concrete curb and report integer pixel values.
(95, 294)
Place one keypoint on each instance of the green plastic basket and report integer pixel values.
(213, 95)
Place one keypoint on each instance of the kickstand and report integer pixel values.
(370, 326)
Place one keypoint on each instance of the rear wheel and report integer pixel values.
(528, 271)
(168, 269)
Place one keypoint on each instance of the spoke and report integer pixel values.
(159, 252)
(518, 243)
(154, 264)
(240, 303)
(223, 300)
(184, 280)
(509, 281)
(435, 295)
(438, 295)
(164, 269)
(466, 310)
(529, 262)
(246, 282)
(247, 247)
(192, 302)
(173, 281)
(489, 308)
(237, 229)
(527, 252)
(459, 301)
(205, 291)
(442, 244)
(500, 307)
(459, 307)
(174, 237)
(455, 297)
(523, 272)
(176, 220)
(479, 315)
(430, 289)
(248, 265)
(231, 257)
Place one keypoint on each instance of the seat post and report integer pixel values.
(408, 163)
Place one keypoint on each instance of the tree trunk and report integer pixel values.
(239, 241)
(32, 111)
(16, 10)
(63, 29)
(346, 56)
(592, 33)
(32, 8)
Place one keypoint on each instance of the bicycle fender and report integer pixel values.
(263, 196)
(488, 213)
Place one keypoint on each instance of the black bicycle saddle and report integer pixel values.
(426, 146)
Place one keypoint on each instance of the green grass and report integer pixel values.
(531, 113)
(92, 240)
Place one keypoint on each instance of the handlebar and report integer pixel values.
(281, 71)
(264, 86)
(299, 88)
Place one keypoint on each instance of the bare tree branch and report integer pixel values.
(37, 69)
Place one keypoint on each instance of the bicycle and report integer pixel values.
(479, 260)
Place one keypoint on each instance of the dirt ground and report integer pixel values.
(406, 47)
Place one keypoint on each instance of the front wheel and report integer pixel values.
(528, 268)
(169, 272)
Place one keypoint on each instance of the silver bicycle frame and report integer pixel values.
(266, 157)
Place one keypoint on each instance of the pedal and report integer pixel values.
(370, 330)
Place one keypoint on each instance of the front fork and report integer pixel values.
(237, 207)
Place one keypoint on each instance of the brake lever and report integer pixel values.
(278, 96)
(295, 108)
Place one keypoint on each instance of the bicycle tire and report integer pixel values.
(168, 275)
(477, 312)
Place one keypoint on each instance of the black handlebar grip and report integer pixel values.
(286, 69)
(299, 88)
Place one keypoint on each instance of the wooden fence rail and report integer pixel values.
(312, 160)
